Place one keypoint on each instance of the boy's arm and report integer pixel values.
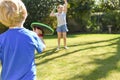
(65, 6)
(40, 46)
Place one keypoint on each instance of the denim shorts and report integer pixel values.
(62, 28)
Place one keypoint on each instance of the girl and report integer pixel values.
(61, 23)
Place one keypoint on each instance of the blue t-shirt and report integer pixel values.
(17, 48)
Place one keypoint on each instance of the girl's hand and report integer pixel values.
(65, 6)
(65, 0)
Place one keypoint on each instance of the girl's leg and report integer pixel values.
(59, 38)
(64, 39)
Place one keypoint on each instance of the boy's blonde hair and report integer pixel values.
(12, 12)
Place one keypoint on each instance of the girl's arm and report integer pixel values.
(53, 12)
(65, 6)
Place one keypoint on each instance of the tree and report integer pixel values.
(105, 5)
(39, 10)
(80, 12)
(110, 14)
(78, 16)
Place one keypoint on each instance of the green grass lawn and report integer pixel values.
(89, 57)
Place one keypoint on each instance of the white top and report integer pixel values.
(61, 18)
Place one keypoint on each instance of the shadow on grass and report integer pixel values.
(46, 53)
(55, 36)
(89, 43)
(50, 52)
(105, 66)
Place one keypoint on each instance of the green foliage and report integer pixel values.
(79, 16)
(105, 13)
(3, 28)
(39, 10)
(112, 18)
(106, 5)
(80, 11)
(100, 21)
(112, 4)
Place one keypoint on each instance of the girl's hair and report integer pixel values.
(12, 12)
(59, 6)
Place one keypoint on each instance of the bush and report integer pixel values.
(100, 22)
(2, 28)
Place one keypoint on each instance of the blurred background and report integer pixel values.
(84, 16)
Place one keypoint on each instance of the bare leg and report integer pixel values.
(59, 38)
(64, 39)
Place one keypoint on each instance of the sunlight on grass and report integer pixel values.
(89, 57)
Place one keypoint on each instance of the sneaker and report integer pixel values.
(58, 49)
(66, 47)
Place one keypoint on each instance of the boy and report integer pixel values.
(62, 24)
(17, 44)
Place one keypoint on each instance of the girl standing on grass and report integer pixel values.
(61, 23)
